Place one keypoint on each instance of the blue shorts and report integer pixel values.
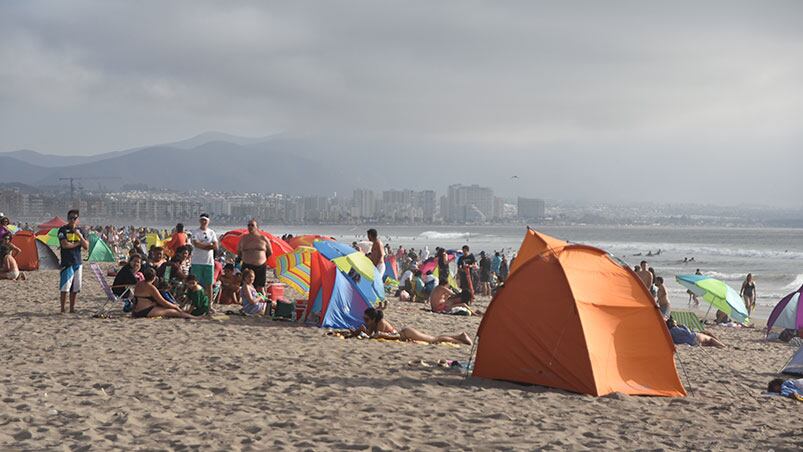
(70, 279)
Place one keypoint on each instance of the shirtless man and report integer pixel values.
(645, 275)
(442, 299)
(253, 251)
(377, 254)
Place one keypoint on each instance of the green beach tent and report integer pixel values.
(99, 251)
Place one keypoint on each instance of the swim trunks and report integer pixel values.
(260, 273)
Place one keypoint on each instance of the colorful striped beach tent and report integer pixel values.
(787, 313)
(391, 268)
(570, 317)
(335, 299)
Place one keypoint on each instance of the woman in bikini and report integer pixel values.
(148, 302)
(748, 293)
(376, 327)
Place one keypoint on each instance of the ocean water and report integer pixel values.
(773, 256)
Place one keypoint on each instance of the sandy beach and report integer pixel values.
(73, 382)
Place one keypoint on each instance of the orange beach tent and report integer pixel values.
(570, 317)
(34, 255)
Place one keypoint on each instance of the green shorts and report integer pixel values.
(204, 272)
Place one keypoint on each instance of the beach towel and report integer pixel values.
(688, 319)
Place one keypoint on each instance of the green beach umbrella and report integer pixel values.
(716, 292)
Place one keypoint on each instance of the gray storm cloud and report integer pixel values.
(622, 101)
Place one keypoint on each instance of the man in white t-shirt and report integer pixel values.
(204, 242)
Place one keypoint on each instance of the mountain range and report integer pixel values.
(212, 161)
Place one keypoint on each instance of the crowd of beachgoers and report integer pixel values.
(188, 274)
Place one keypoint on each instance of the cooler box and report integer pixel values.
(275, 291)
(284, 310)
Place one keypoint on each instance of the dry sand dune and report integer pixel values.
(79, 383)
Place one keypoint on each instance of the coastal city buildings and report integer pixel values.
(464, 204)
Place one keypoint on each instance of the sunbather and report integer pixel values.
(376, 327)
(683, 335)
(148, 302)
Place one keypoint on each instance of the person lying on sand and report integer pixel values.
(787, 388)
(683, 335)
(148, 302)
(376, 327)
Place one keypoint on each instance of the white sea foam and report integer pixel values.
(695, 250)
(794, 285)
(726, 276)
(435, 235)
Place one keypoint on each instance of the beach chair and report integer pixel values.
(688, 319)
(107, 289)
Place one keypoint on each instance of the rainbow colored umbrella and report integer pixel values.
(716, 292)
(347, 258)
(230, 240)
(293, 268)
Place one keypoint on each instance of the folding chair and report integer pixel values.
(107, 289)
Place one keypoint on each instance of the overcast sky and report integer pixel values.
(671, 101)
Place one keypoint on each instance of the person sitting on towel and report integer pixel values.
(683, 335)
(376, 327)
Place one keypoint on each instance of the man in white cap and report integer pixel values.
(204, 242)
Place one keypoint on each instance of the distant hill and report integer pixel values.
(13, 170)
(221, 162)
(56, 161)
(215, 166)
